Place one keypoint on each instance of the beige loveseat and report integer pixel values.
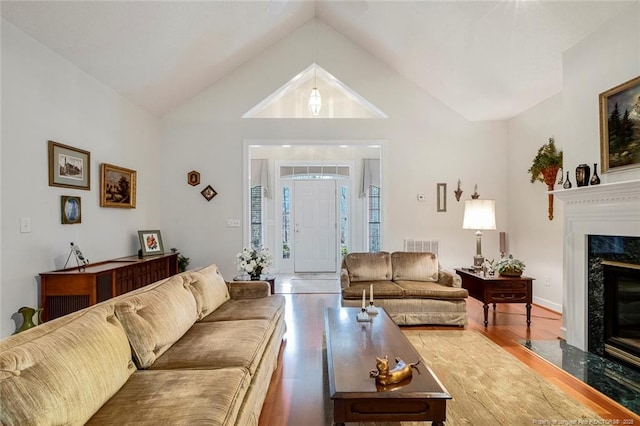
(411, 287)
(191, 349)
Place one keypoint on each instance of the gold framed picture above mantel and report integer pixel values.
(117, 187)
(620, 127)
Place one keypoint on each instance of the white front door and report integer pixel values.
(315, 248)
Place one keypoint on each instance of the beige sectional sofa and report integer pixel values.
(411, 287)
(191, 349)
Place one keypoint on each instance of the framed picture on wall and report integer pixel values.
(71, 210)
(620, 126)
(69, 167)
(441, 193)
(150, 242)
(117, 187)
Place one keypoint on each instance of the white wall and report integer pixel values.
(606, 58)
(427, 143)
(44, 97)
(534, 238)
(599, 62)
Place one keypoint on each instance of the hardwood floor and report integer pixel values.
(295, 396)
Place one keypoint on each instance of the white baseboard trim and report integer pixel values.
(548, 304)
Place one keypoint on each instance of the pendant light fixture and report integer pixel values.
(315, 100)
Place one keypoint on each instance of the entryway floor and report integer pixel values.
(307, 283)
(617, 381)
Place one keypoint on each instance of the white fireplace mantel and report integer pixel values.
(607, 209)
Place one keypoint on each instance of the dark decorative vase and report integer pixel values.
(255, 275)
(583, 173)
(27, 317)
(595, 180)
(567, 182)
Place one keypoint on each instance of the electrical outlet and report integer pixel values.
(233, 223)
(547, 282)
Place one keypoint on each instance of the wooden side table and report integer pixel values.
(498, 289)
(268, 278)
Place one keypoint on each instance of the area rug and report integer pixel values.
(489, 386)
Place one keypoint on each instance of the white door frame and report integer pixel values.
(288, 266)
(271, 242)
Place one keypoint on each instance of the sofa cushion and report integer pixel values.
(182, 397)
(268, 308)
(222, 344)
(368, 266)
(414, 266)
(64, 370)
(155, 319)
(209, 289)
(429, 290)
(381, 290)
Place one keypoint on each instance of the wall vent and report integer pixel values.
(422, 246)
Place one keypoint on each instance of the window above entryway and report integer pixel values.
(292, 99)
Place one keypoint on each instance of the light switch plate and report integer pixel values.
(25, 224)
(233, 223)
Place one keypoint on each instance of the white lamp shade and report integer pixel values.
(315, 101)
(479, 214)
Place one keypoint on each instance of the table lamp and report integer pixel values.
(479, 215)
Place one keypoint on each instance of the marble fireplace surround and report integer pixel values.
(607, 209)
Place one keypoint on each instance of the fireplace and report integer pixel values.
(622, 311)
(613, 210)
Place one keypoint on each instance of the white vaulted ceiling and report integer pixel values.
(484, 59)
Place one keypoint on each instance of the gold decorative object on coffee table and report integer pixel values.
(398, 374)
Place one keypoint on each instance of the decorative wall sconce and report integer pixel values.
(475, 194)
(458, 192)
(545, 167)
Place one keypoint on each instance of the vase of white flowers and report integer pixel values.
(254, 261)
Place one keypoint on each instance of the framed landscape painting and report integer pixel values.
(69, 167)
(620, 126)
(117, 187)
(150, 242)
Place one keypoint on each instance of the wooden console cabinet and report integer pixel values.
(69, 290)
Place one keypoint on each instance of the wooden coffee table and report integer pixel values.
(352, 348)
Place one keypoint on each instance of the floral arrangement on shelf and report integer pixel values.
(254, 261)
(510, 267)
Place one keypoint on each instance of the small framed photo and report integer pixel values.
(209, 192)
(117, 187)
(70, 210)
(150, 242)
(193, 178)
(69, 167)
(620, 127)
